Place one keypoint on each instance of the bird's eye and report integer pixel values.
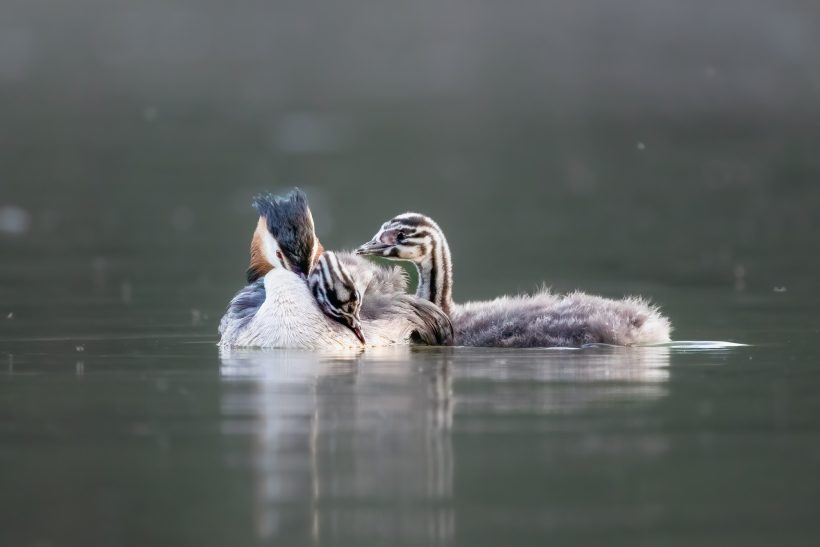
(401, 236)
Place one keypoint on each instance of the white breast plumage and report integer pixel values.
(290, 318)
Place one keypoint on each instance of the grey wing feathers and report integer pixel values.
(242, 308)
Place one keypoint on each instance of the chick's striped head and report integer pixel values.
(336, 293)
(409, 236)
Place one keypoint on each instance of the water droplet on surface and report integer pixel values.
(640, 146)
(80, 348)
(779, 289)
(10, 315)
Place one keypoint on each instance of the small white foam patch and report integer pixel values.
(680, 345)
(699, 345)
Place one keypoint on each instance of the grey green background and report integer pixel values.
(662, 148)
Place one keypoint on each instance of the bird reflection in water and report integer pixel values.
(560, 381)
(346, 444)
(358, 446)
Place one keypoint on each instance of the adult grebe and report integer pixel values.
(278, 308)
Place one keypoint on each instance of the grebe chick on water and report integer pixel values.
(539, 320)
(278, 308)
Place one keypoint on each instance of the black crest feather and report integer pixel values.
(289, 221)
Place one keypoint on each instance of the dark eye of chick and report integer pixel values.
(401, 236)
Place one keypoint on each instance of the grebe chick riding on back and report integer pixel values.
(336, 293)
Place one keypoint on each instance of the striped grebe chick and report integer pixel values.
(542, 319)
(336, 293)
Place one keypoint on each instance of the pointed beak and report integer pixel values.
(357, 330)
(372, 247)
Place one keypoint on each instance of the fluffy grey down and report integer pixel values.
(371, 278)
(549, 320)
(430, 325)
(384, 293)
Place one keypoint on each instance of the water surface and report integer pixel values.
(166, 440)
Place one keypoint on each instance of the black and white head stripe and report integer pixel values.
(290, 223)
(415, 237)
(335, 291)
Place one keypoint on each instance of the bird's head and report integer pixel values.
(336, 293)
(285, 236)
(409, 236)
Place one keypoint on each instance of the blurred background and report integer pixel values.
(612, 146)
(666, 148)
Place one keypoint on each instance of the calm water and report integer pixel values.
(618, 146)
(133, 437)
